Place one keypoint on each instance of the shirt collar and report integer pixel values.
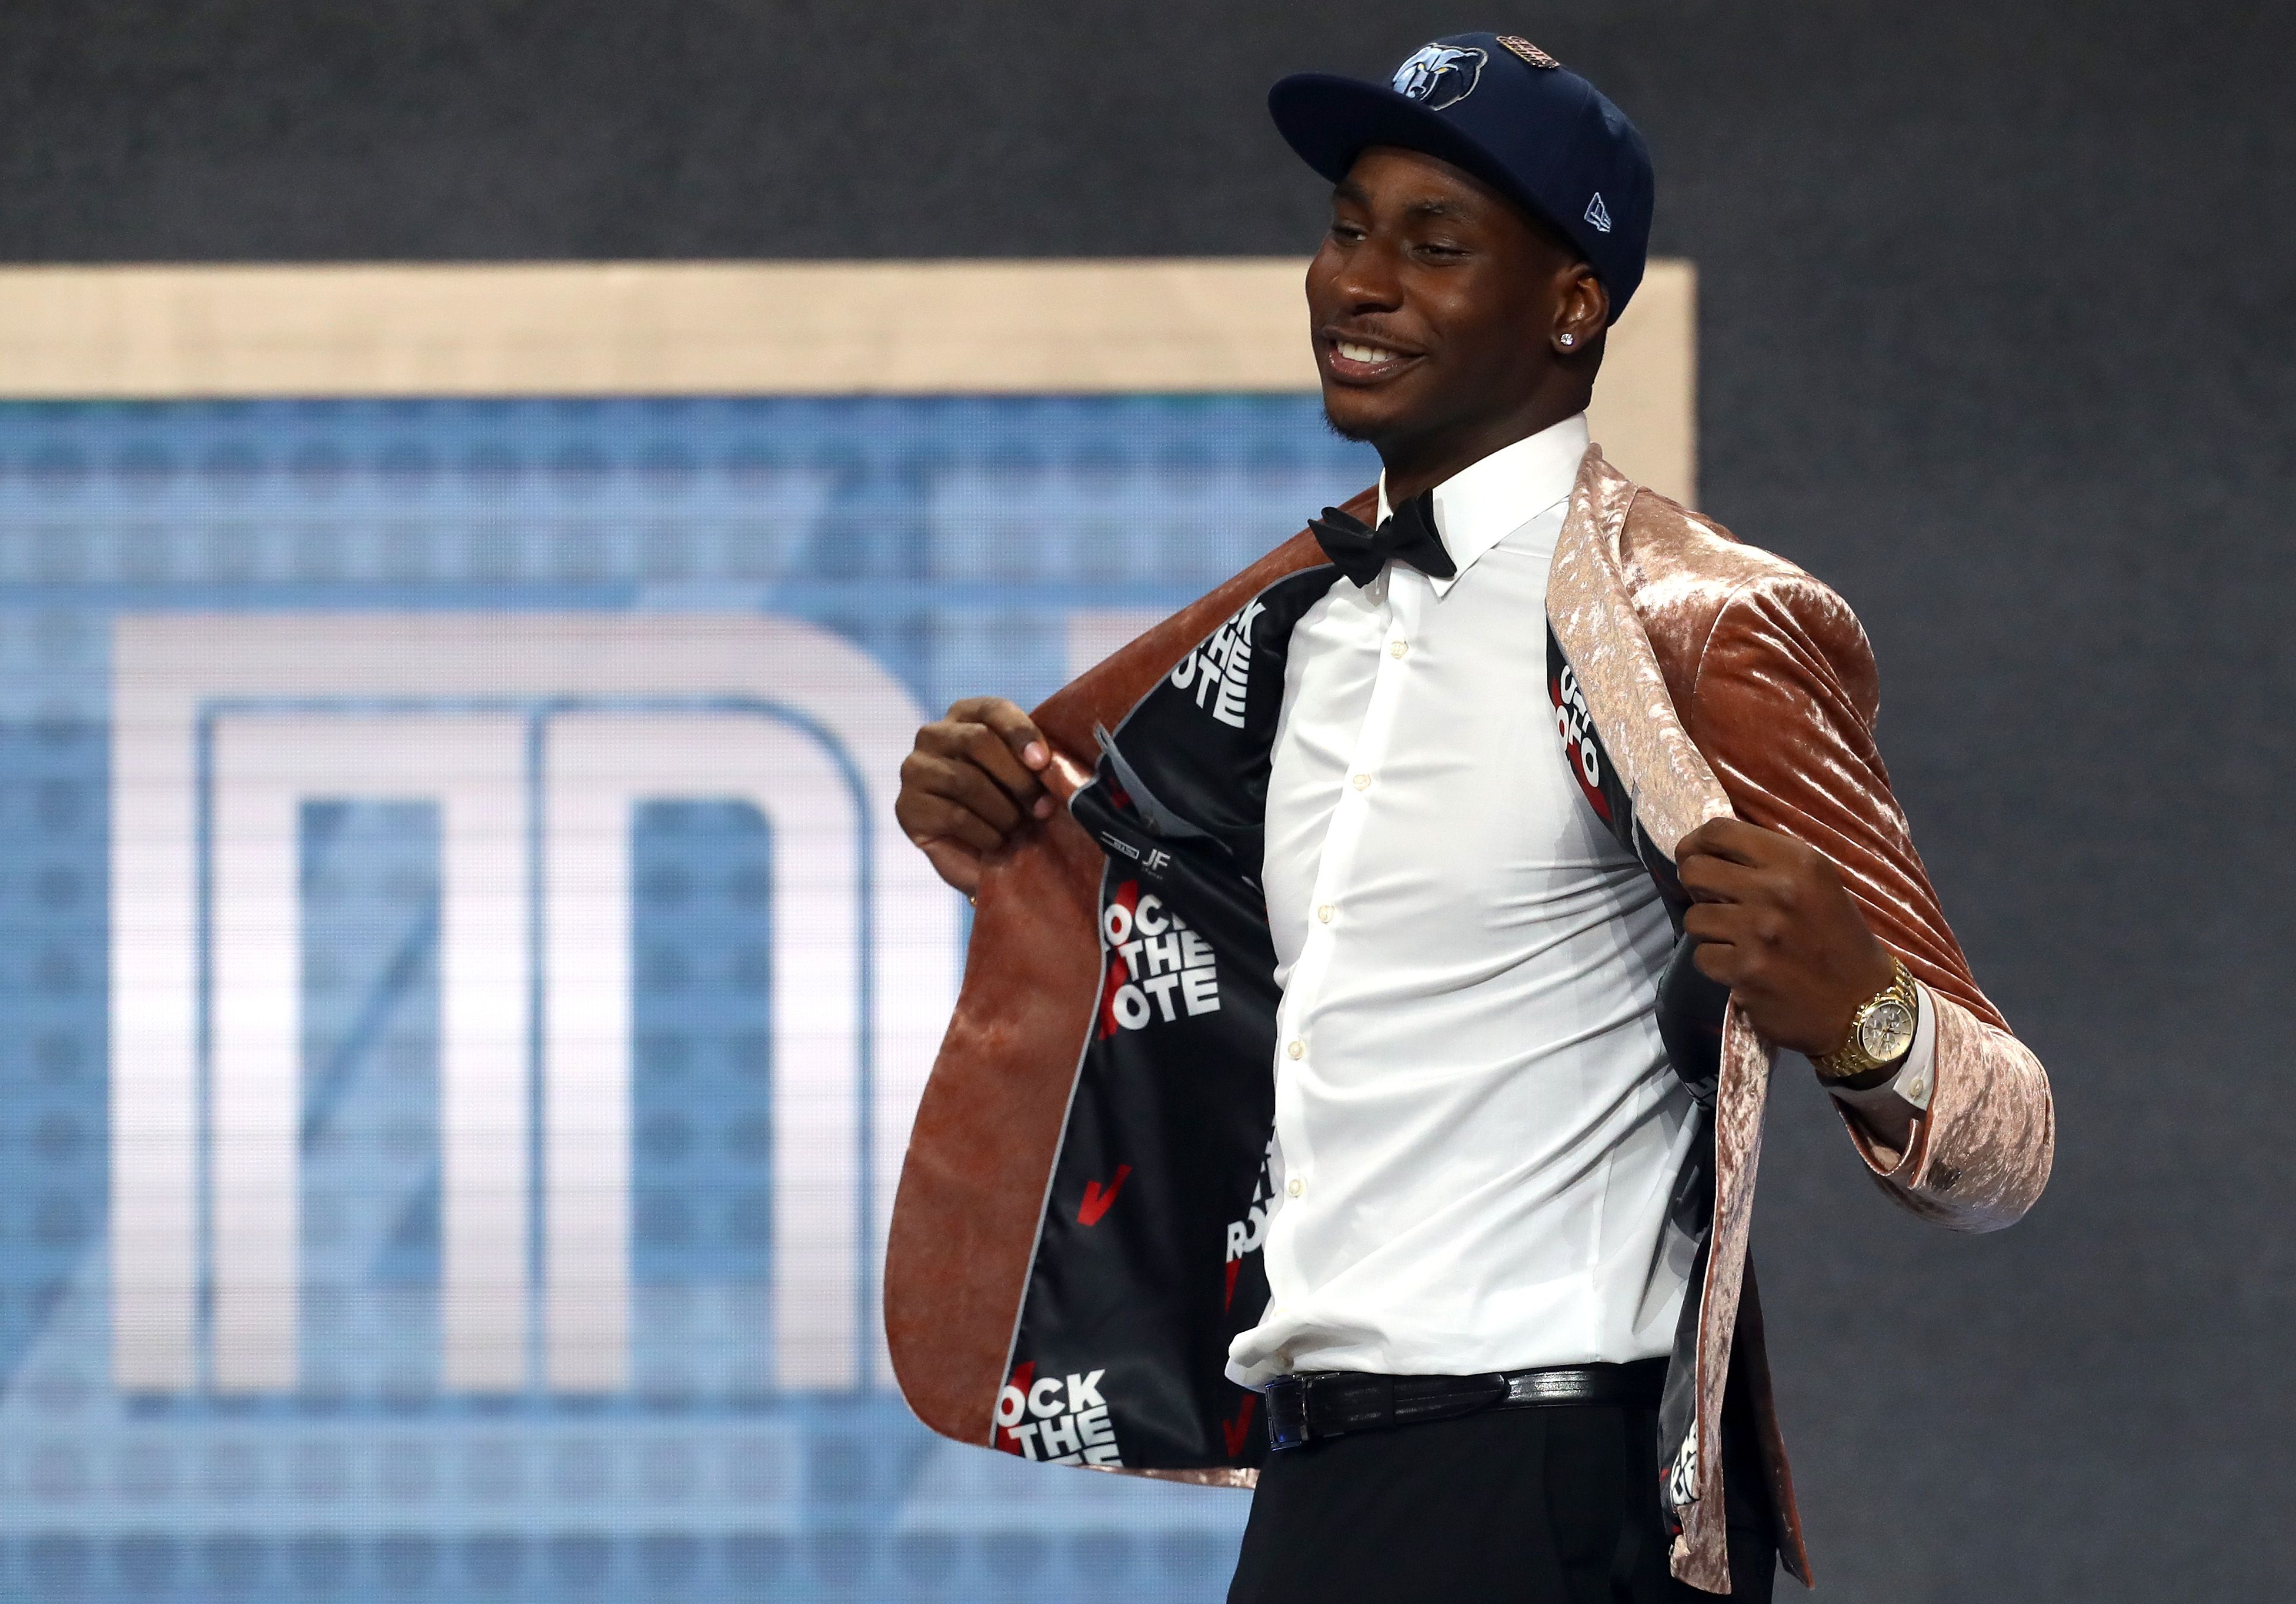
(1489, 500)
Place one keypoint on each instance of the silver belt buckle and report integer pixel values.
(1522, 1387)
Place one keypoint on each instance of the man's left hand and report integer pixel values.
(1775, 925)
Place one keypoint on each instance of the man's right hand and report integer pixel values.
(970, 783)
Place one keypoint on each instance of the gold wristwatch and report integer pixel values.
(1882, 1030)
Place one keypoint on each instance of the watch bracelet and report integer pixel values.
(1901, 989)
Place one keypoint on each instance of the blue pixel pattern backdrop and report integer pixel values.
(959, 546)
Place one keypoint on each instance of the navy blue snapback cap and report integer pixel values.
(1501, 108)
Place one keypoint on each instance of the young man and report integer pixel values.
(1517, 915)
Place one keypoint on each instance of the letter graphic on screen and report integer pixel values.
(535, 738)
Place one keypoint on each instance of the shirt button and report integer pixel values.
(1324, 913)
(1295, 1186)
(1362, 781)
(1397, 648)
(1295, 1050)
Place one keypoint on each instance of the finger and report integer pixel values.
(1718, 961)
(962, 781)
(1023, 740)
(937, 820)
(1753, 927)
(1716, 924)
(1019, 733)
(1733, 840)
(974, 740)
(1710, 879)
(1013, 727)
(929, 819)
(995, 756)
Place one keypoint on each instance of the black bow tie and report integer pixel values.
(1408, 535)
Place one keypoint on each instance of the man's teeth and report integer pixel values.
(1364, 353)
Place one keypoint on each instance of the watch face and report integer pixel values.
(1886, 1031)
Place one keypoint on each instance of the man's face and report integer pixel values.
(1433, 302)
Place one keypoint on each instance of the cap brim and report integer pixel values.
(1330, 121)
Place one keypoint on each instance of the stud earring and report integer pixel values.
(1570, 339)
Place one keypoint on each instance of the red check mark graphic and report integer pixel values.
(1234, 1430)
(1097, 1202)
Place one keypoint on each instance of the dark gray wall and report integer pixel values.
(1997, 329)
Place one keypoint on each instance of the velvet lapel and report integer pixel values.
(988, 1134)
(1674, 790)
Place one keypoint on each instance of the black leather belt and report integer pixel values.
(1322, 1403)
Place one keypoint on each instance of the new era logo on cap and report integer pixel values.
(1598, 214)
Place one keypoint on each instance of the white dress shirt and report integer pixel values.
(1476, 1127)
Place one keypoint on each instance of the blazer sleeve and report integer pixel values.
(1782, 704)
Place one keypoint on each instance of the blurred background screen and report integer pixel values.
(431, 716)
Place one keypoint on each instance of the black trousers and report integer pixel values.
(1528, 1506)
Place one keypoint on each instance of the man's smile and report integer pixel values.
(1352, 359)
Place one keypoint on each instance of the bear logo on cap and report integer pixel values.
(1440, 75)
